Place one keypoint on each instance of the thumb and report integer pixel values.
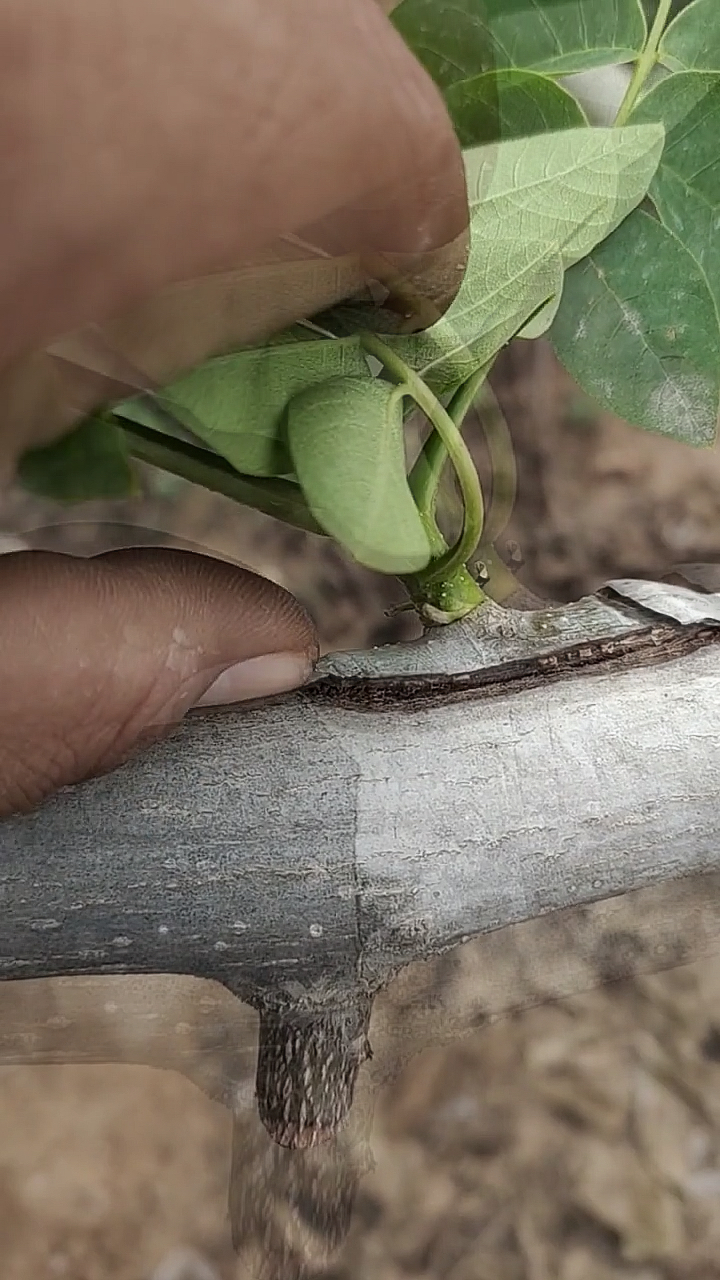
(100, 656)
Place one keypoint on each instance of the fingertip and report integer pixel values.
(263, 677)
(232, 611)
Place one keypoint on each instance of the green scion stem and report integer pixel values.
(645, 62)
(425, 478)
(456, 557)
(425, 475)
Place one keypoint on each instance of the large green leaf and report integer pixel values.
(567, 189)
(686, 187)
(456, 39)
(693, 39)
(346, 438)
(509, 104)
(638, 330)
(236, 404)
(537, 205)
(90, 462)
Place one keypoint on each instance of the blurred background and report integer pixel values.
(564, 1130)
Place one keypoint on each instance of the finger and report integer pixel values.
(177, 137)
(100, 656)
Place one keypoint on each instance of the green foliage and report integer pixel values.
(639, 325)
(537, 205)
(90, 462)
(649, 297)
(457, 39)
(283, 499)
(606, 239)
(686, 187)
(498, 105)
(692, 41)
(237, 403)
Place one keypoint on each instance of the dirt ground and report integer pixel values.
(519, 1121)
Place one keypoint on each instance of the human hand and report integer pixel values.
(145, 143)
(100, 657)
(196, 174)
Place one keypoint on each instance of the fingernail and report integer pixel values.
(257, 678)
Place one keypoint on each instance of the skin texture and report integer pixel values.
(176, 141)
(115, 650)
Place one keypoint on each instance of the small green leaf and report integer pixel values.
(509, 104)
(638, 330)
(456, 39)
(693, 38)
(236, 403)
(537, 205)
(686, 187)
(346, 439)
(90, 462)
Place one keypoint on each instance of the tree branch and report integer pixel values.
(302, 851)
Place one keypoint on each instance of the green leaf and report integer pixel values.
(537, 205)
(346, 439)
(638, 330)
(686, 187)
(506, 282)
(90, 462)
(568, 190)
(509, 104)
(456, 39)
(236, 404)
(542, 320)
(651, 8)
(693, 38)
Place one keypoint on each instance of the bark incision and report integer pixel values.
(648, 647)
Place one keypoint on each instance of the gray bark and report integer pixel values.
(300, 852)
